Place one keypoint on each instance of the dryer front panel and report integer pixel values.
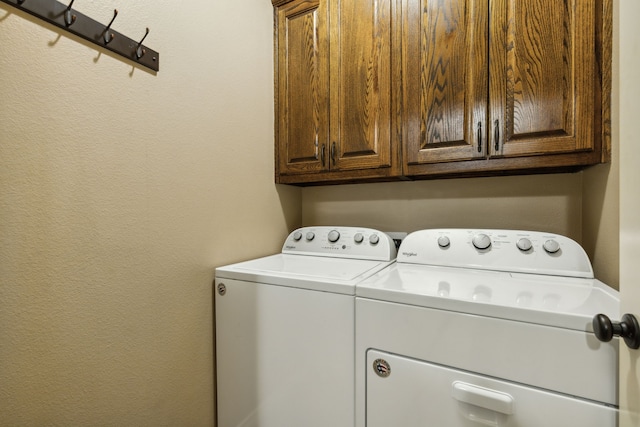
(284, 356)
(411, 393)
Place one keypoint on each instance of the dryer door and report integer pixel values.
(411, 393)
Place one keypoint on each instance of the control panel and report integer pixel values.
(341, 242)
(500, 250)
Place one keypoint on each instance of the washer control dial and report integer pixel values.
(524, 244)
(551, 246)
(481, 241)
(335, 241)
(444, 242)
(334, 236)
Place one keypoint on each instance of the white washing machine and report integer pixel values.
(485, 328)
(285, 329)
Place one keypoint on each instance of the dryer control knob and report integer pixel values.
(524, 244)
(333, 236)
(358, 238)
(374, 239)
(481, 241)
(310, 236)
(551, 246)
(297, 236)
(443, 242)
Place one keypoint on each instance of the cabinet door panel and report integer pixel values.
(445, 80)
(360, 84)
(302, 85)
(542, 76)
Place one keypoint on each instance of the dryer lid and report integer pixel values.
(547, 300)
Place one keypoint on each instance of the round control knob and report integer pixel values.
(297, 236)
(481, 241)
(628, 329)
(358, 238)
(443, 241)
(551, 246)
(333, 236)
(524, 244)
(374, 239)
(310, 236)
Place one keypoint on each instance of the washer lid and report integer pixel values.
(319, 273)
(547, 300)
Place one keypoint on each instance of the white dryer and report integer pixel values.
(285, 329)
(485, 327)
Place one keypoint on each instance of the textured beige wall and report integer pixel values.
(543, 202)
(583, 206)
(601, 218)
(120, 191)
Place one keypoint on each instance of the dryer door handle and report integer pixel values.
(496, 401)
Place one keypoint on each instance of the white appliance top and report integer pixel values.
(527, 276)
(330, 259)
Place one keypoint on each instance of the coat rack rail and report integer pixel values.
(63, 16)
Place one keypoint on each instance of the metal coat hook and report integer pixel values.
(139, 50)
(68, 17)
(61, 14)
(107, 35)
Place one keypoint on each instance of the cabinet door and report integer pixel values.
(302, 82)
(360, 84)
(445, 80)
(542, 76)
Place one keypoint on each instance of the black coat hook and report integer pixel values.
(63, 15)
(68, 17)
(107, 35)
(139, 50)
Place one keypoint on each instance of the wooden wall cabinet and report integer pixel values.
(334, 91)
(502, 86)
(388, 89)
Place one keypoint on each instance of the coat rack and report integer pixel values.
(63, 16)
